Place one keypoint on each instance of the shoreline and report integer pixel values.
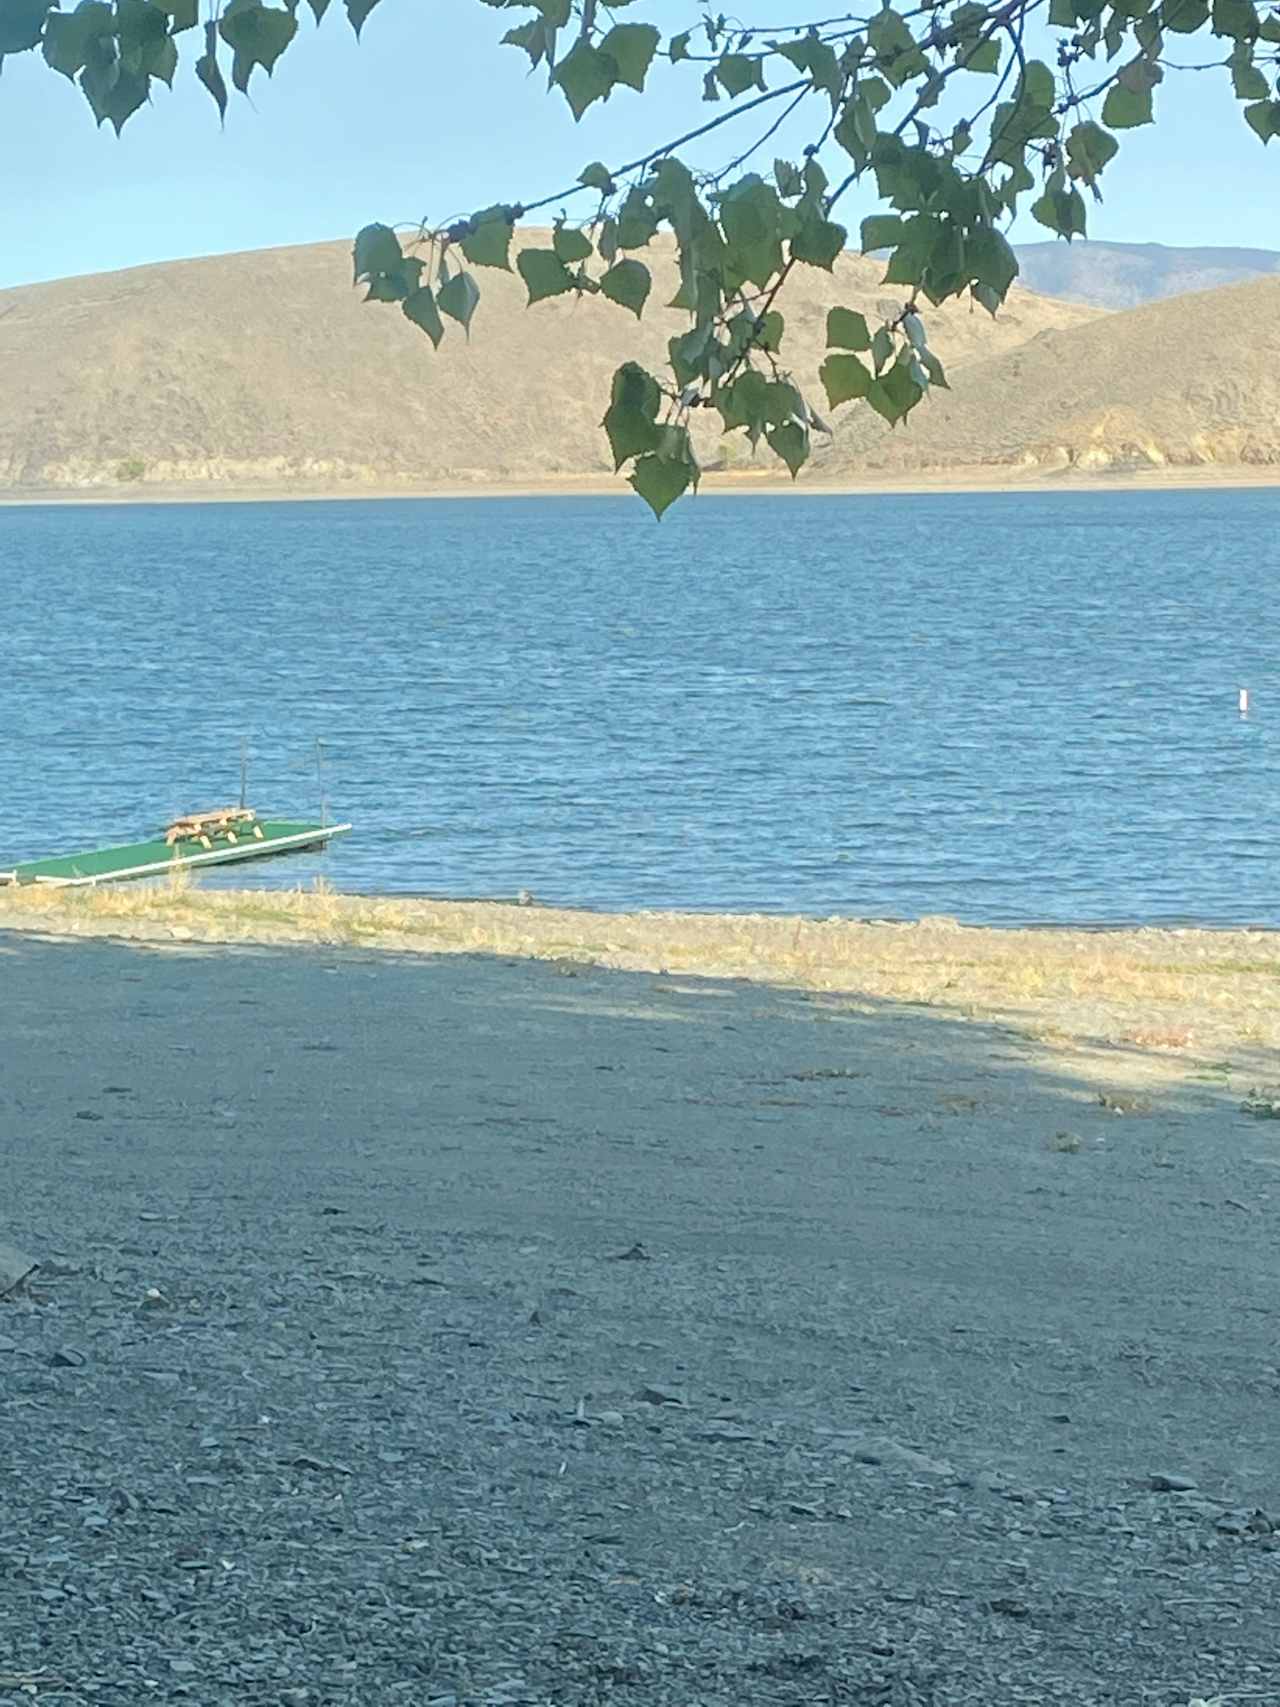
(963, 481)
(1171, 989)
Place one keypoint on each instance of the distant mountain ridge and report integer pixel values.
(1125, 275)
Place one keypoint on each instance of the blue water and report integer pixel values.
(1004, 708)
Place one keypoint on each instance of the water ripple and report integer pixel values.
(1005, 708)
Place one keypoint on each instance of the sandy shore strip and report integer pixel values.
(1178, 996)
(767, 483)
(491, 1307)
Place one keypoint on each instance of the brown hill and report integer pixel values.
(1193, 382)
(1125, 275)
(266, 369)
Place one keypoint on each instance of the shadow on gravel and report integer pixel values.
(460, 1331)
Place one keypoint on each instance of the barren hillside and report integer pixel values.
(1193, 382)
(267, 369)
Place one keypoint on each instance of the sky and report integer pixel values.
(428, 116)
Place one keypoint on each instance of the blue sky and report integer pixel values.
(428, 116)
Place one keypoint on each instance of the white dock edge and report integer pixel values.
(219, 856)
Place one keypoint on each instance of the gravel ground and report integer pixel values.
(459, 1332)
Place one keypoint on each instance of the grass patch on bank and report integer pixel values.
(1180, 991)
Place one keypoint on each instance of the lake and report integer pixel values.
(1006, 708)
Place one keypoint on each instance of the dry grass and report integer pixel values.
(1179, 993)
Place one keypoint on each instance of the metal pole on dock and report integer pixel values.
(324, 808)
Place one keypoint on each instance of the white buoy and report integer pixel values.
(1244, 702)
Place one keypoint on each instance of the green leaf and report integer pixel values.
(895, 395)
(68, 35)
(984, 58)
(1089, 148)
(675, 445)
(791, 442)
(751, 218)
(1249, 83)
(544, 274)
(1264, 119)
(906, 265)
(882, 348)
(184, 14)
(1237, 19)
(585, 75)
(22, 23)
(387, 287)
(817, 60)
(736, 73)
(843, 378)
(397, 282)
(1148, 34)
(933, 367)
(113, 93)
(377, 250)
(742, 404)
(1014, 125)
(897, 54)
(257, 36)
(531, 38)
(768, 332)
(688, 354)
(630, 420)
(627, 283)
(208, 70)
(679, 48)
(787, 178)
(420, 307)
(162, 61)
(631, 47)
(1125, 108)
(986, 297)
(597, 177)
(1061, 211)
(459, 298)
(819, 242)
(357, 12)
(991, 263)
(1184, 17)
(660, 482)
(847, 330)
(1036, 86)
(488, 239)
(637, 222)
(571, 246)
(142, 31)
(901, 389)
(881, 231)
